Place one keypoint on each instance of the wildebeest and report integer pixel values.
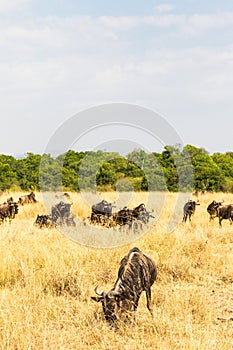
(123, 217)
(61, 214)
(8, 211)
(189, 209)
(136, 274)
(141, 213)
(28, 198)
(10, 200)
(225, 212)
(64, 195)
(129, 217)
(101, 211)
(44, 221)
(212, 209)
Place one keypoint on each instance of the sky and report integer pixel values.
(61, 57)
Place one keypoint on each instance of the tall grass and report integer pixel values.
(46, 282)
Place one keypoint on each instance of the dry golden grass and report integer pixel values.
(46, 282)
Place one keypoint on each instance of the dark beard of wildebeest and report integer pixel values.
(225, 212)
(136, 274)
(212, 209)
(8, 211)
(189, 210)
(28, 198)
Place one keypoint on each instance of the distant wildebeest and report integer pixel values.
(123, 217)
(10, 200)
(64, 195)
(141, 213)
(225, 212)
(136, 274)
(28, 198)
(61, 214)
(8, 211)
(44, 221)
(101, 211)
(212, 209)
(189, 209)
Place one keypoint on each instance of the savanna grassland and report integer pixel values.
(46, 282)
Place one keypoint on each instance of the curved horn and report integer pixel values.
(116, 293)
(97, 292)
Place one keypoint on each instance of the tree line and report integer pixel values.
(174, 169)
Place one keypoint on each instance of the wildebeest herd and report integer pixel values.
(101, 214)
(215, 209)
(10, 208)
(137, 271)
(60, 215)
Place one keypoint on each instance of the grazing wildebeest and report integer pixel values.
(61, 214)
(212, 209)
(225, 212)
(8, 211)
(101, 211)
(136, 274)
(189, 209)
(44, 221)
(28, 198)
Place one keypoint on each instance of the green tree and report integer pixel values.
(207, 174)
(28, 172)
(7, 177)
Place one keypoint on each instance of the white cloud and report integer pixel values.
(191, 24)
(124, 23)
(7, 6)
(48, 51)
(56, 66)
(164, 8)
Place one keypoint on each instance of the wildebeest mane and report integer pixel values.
(132, 271)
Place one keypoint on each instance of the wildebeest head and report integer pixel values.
(212, 209)
(32, 197)
(10, 200)
(103, 207)
(13, 210)
(110, 303)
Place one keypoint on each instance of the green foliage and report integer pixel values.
(173, 170)
(8, 176)
(27, 170)
(208, 176)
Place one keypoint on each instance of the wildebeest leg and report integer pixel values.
(135, 305)
(220, 222)
(148, 299)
